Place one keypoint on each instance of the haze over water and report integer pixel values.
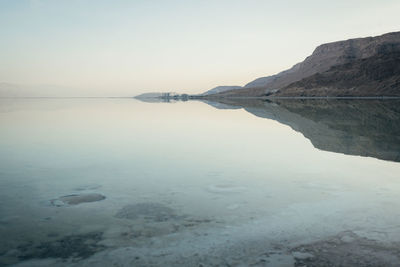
(188, 184)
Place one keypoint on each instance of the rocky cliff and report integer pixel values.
(374, 76)
(350, 60)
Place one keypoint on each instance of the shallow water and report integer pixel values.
(118, 181)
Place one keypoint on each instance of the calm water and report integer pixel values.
(189, 183)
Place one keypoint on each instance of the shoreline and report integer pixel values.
(305, 97)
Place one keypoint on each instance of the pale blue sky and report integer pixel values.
(128, 47)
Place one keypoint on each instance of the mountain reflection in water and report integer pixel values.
(369, 127)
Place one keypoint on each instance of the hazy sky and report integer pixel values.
(128, 47)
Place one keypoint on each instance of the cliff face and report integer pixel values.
(377, 75)
(349, 54)
(328, 55)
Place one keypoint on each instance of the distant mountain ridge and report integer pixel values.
(352, 52)
(149, 95)
(46, 90)
(220, 89)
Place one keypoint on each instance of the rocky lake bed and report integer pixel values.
(154, 234)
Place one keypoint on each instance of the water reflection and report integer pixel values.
(369, 128)
(103, 182)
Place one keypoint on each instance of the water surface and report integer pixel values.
(119, 181)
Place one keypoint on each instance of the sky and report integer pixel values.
(123, 48)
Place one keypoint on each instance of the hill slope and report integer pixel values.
(375, 76)
(220, 89)
(324, 57)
